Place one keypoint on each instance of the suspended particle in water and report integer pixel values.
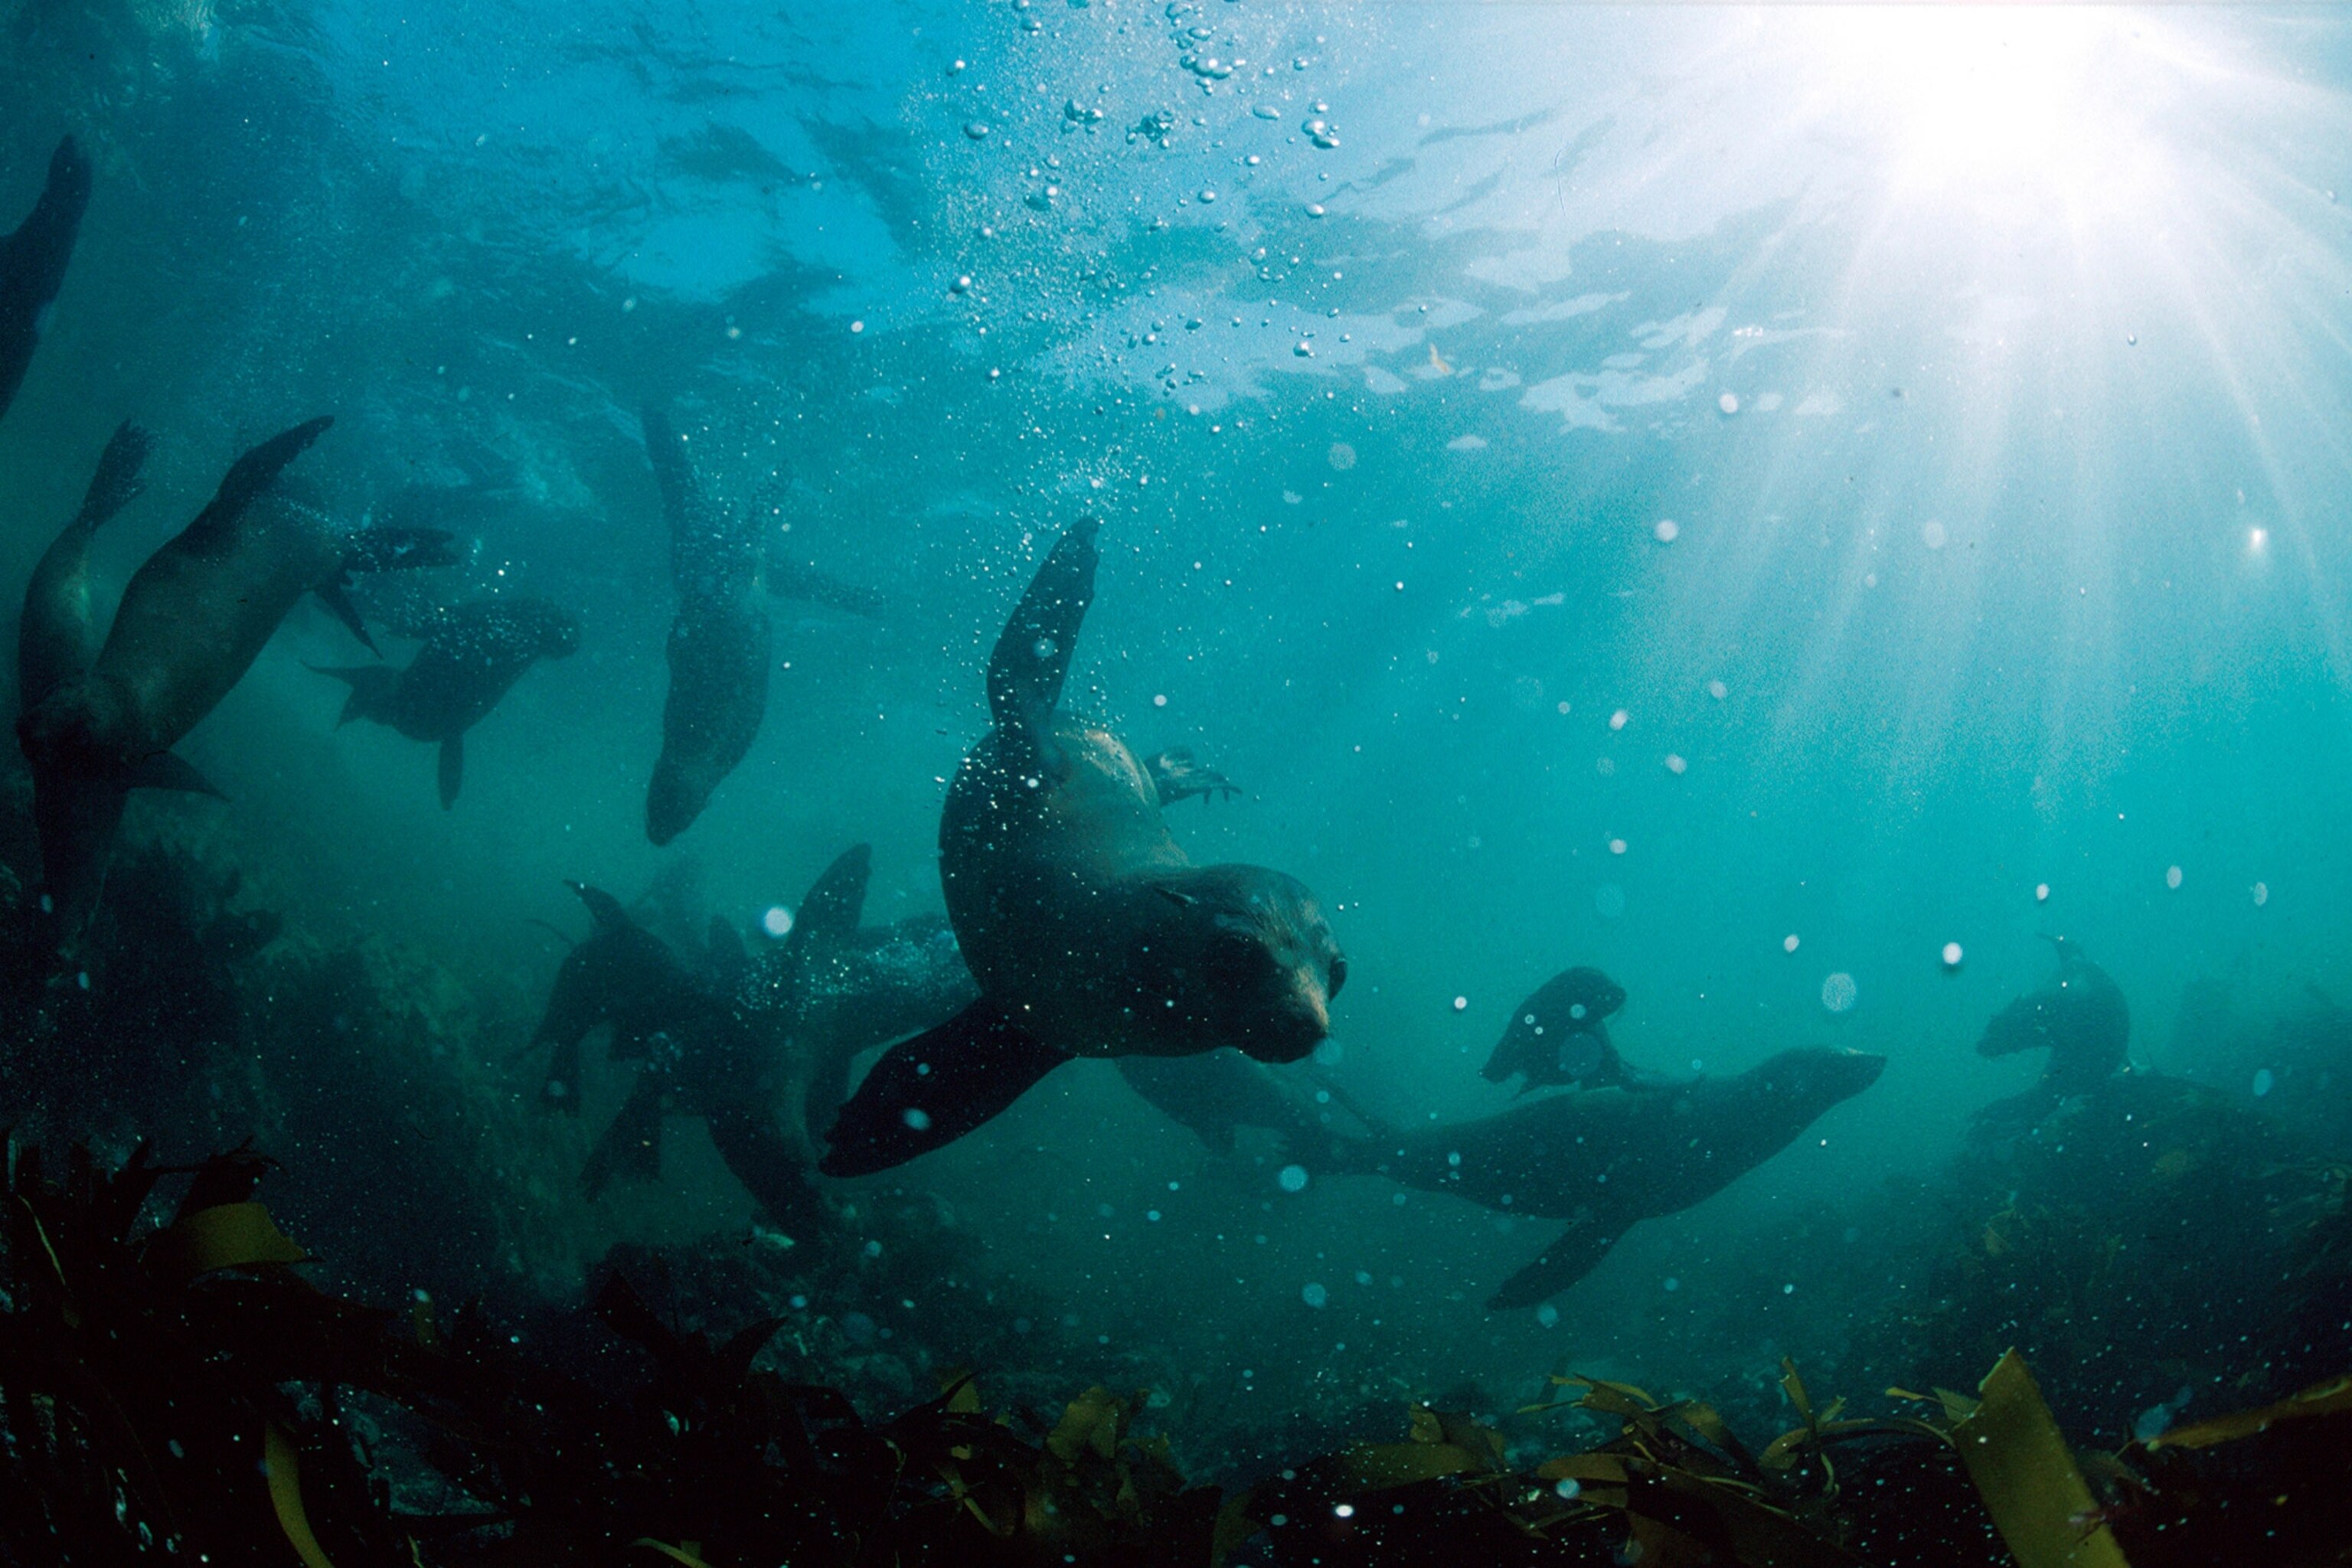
(977, 129)
(2172, 876)
(1160, 700)
(1789, 943)
(2263, 1082)
(1341, 455)
(1616, 847)
(777, 921)
(1952, 955)
(857, 326)
(1932, 535)
(1045, 648)
(1729, 403)
(1619, 719)
(1292, 1179)
(1461, 1004)
(1839, 992)
(1547, 1316)
(1315, 1295)
(1568, 1487)
(2041, 892)
(962, 284)
(1563, 710)
(1717, 689)
(1676, 765)
(1314, 209)
(1673, 1284)
(2261, 894)
(1667, 531)
(921, 1121)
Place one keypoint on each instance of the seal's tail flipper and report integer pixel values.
(926, 1092)
(1032, 658)
(452, 771)
(116, 484)
(1576, 1254)
(165, 771)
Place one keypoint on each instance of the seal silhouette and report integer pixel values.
(1607, 1160)
(471, 658)
(33, 263)
(1089, 929)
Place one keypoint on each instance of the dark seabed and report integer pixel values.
(1553, 784)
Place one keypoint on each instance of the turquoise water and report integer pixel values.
(1736, 497)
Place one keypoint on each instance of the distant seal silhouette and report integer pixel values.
(2082, 1021)
(472, 657)
(1089, 929)
(33, 263)
(1559, 1036)
(1609, 1160)
(192, 620)
(718, 644)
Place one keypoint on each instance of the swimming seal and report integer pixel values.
(33, 263)
(2081, 1019)
(1089, 929)
(1609, 1160)
(192, 620)
(1559, 1036)
(472, 657)
(719, 641)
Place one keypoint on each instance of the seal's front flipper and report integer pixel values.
(1031, 657)
(926, 1092)
(165, 771)
(340, 604)
(1177, 777)
(453, 767)
(116, 484)
(1576, 1254)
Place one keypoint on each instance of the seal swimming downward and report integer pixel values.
(191, 621)
(33, 263)
(1606, 1160)
(1089, 932)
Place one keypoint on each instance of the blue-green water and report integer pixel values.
(1733, 497)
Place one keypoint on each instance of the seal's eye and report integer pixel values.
(1339, 977)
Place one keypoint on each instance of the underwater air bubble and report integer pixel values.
(1952, 955)
(2172, 876)
(2262, 1082)
(1315, 1295)
(1789, 943)
(2261, 894)
(1729, 403)
(1569, 1488)
(1839, 992)
(921, 1121)
(1292, 1178)
(777, 921)
(1667, 531)
(2041, 892)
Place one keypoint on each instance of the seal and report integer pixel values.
(33, 263)
(472, 657)
(1089, 929)
(718, 644)
(1609, 1160)
(1559, 1036)
(2080, 1018)
(192, 620)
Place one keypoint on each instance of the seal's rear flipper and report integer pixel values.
(1031, 657)
(926, 1092)
(373, 688)
(453, 767)
(165, 771)
(1576, 1254)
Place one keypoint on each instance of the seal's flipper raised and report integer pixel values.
(926, 1092)
(33, 263)
(1031, 657)
(1578, 1250)
(53, 637)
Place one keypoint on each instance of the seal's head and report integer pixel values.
(1810, 1081)
(1241, 956)
(1557, 1034)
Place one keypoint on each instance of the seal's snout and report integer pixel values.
(1293, 1027)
